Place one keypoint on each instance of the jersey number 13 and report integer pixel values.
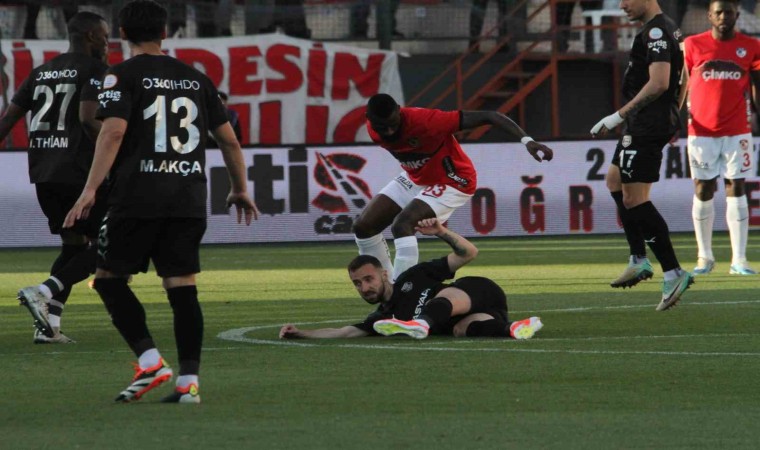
(158, 109)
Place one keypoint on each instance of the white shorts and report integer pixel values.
(727, 156)
(443, 199)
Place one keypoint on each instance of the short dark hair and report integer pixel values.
(363, 260)
(381, 106)
(223, 95)
(143, 21)
(734, 2)
(82, 23)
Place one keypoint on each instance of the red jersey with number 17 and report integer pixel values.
(719, 83)
(428, 151)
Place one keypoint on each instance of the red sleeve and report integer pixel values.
(687, 49)
(441, 122)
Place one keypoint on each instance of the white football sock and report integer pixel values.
(377, 247)
(55, 321)
(45, 291)
(672, 274)
(703, 217)
(149, 358)
(737, 214)
(407, 254)
(184, 381)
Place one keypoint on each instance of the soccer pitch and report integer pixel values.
(607, 371)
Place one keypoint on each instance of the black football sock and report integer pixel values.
(68, 253)
(632, 231)
(78, 268)
(656, 234)
(127, 314)
(488, 328)
(188, 327)
(436, 312)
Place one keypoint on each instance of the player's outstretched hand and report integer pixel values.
(243, 205)
(289, 331)
(430, 227)
(535, 147)
(81, 209)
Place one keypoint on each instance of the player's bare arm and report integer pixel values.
(90, 124)
(106, 148)
(683, 92)
(290, 331)
(659, 81)
(233, 159)
(13, 114)
(464, 251)
(474, 119)
(755, 78)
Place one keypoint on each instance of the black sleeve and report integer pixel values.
(115, 97)
(93, 83)
(366, 326)
(23, 96)
(217, 113)
(437, 269)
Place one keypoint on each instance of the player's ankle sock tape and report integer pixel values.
(437, 312)
(488, 328)
(632, 231)
(656, 234)
(127, 314)
(188, 327)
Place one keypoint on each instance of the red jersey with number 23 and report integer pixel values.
(427, 150)
(719, 83)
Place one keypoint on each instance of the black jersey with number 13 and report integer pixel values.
(658, 41)
(160, 170)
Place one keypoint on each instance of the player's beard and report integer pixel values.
(378, 296)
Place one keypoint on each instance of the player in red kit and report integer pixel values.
(723, 65)
(438, 177)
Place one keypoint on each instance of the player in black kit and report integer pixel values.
(651, 88)
(156, 112)
(418, 303)
(62, 96)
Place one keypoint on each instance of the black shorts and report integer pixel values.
(127, 244)
(57, 199)
(639, 158)
(486, 296)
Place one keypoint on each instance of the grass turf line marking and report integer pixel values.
(238, 335)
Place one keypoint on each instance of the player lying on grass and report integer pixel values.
(419, 303)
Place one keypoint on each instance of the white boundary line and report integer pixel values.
(238, 335)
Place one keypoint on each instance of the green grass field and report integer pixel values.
(607, 371)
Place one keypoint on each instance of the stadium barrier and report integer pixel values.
(315, 193)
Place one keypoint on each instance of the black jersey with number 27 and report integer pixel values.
(659, 40)
(59, 151)
(160, 170)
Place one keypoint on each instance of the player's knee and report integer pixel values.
(363, 228)
(402, 227)
(460, 329)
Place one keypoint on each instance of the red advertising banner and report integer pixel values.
(286, 90)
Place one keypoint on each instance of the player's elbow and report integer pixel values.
(659, 87)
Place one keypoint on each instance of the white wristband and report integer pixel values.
(526, 139)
